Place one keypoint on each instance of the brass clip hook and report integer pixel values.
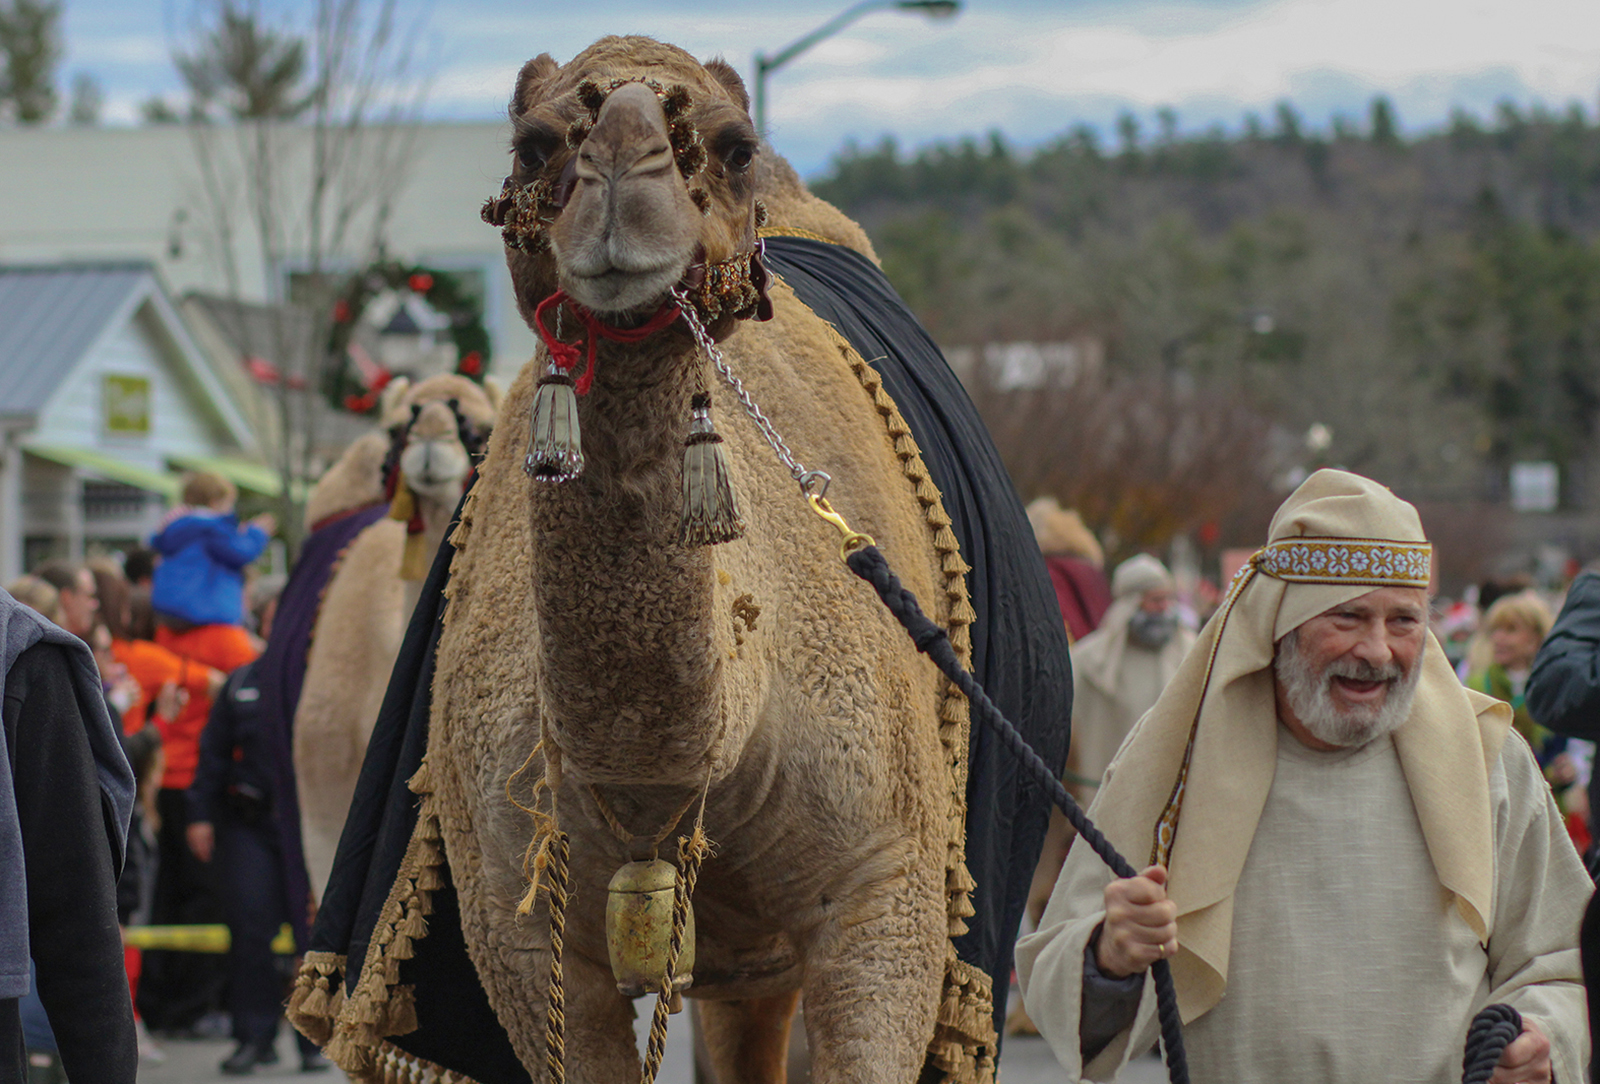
(850, 540)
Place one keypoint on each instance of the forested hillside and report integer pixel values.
(1434, 303)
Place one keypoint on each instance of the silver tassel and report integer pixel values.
(710, 509)
(555, 451)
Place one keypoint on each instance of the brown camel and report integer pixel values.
(584, 644)
(368, 599)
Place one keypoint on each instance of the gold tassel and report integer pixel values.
(402, 1011)
(555, 450)
(710, 509)
(315, 1002)
(422, 780)
(414, 558)
(414, 926)
(404, 505)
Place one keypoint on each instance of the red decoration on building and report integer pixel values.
(421, 282)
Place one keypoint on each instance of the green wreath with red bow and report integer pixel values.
(355, 383)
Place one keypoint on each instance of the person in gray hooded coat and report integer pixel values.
(66, 797)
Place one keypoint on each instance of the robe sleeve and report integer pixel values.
(1051, 974)
(1541, 890)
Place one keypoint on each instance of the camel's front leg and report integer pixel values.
(747, 1041)
(872, 981)
(600, 1045)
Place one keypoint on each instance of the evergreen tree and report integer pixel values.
(246, 68)
(30, 51)
(87, 100)
(1385, 128)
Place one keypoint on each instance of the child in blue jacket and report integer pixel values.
(204, 550)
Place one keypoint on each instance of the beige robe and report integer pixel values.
(1349, 962)
(1116, 682)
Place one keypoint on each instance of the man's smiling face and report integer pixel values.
(1346, 676)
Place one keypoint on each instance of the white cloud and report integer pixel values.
(1030, 68)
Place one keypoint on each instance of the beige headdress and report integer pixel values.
(1206, 753)
(1099, 660)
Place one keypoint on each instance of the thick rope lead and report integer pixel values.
(868, 563)
(1492, 1030)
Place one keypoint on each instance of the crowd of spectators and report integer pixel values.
(167, 626)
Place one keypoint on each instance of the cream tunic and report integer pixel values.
(1348, 961)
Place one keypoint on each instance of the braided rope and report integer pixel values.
(868, 563)
(1492, 1030)
(555, 1027)
(691, 851)
(620, 830)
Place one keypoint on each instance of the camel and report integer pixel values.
(601, 669)
(421, 463)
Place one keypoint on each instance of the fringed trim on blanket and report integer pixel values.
(394, 1066)
(317, 996)
(964, 1041)
(352, 1029)
(458, 541)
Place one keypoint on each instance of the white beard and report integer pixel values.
(1310, 695)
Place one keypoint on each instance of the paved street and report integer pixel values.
(1026, 1061)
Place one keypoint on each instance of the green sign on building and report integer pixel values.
(127, 404)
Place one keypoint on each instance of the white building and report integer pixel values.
(85, 193)
(104, 399)
(77, 470)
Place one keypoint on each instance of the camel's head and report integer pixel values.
(436, 429)
(631, 174)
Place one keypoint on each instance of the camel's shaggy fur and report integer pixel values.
(367, 601)
(835, 753)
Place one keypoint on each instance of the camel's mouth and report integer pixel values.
(615, 291)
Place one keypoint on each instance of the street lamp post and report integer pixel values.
(766, 65)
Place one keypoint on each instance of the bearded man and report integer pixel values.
(1122, 666)
(1349, 856)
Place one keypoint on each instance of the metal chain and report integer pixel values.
(813, 483)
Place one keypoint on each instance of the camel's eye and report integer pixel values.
(739, 156)
(534, 146)
(532, 157)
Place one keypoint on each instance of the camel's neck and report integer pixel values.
(629, 674)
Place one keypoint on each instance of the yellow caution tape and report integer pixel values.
(212, 938)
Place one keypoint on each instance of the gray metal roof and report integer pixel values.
(49, 316)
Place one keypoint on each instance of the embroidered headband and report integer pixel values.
(1361, 561)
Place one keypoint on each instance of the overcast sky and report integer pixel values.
(1030, 68)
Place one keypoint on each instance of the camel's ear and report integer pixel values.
(723, 73)
(393, 392)
(491, 388)
(532, 76)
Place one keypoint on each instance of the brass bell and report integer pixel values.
(639, 929)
